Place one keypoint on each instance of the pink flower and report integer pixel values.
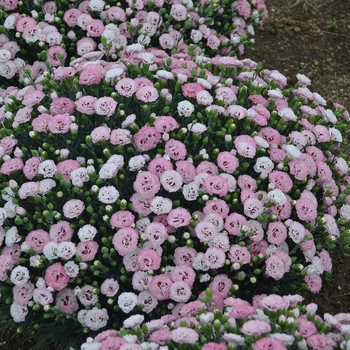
(281, 180)
(91, 75)
(120, 137)
(56, 54)
(234, 223)
(253, 208)
(156, 233)
(269, 343)
(87, 250)
(62, 105)
(214, 258)
(86, 105)
(205, 231)
(125, 240)
(160, 287)
(147, 94)
(180, 292)
(186, 170)
(122, 218)
(321, 342)
(275, 267)
(159, 165)
(273, 302)
(146, 138)
(11, 166)
(66, 167)
(95, 28)
(276, 233)
(216, 185)
(306, 209)
(161, 336)
(73, 208)
(171, 180)
(239, 254)
(126, 87)
(71, 17)
(306, 328)
(149, 259)
(37, 239)
(175, 149)
(191, 89)
(147, 301)
(228, 96)
(147, 184)
(67, 301)
(101, 133)
(183, 273)
(23, 293)
(221, 284)
(179, 217)
(245, 145)
(56, 277)
(59, 124)
(29, 189)
(218, 206)
(179, 12)
(214, 346)
(255, 327)
(282, 211)
(105, 106)
(109, 287)
(314, 283)
(184, 335)
(184, 256)
(242, 311)
(96, 318)
(227, 162)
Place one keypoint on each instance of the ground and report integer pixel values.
(311, 37)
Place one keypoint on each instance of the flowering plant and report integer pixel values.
(270, 322)
(54, 34)
(132, 187)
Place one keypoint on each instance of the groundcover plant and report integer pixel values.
(151, 181)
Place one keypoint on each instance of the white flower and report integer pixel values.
(49, 250)
(108, 194)
(87, 233)
(72, 269)
(66, 250)
(163, 74)
(292, 150)
(161, 205)
(10, 22)
(277, 196)
(197, 128)
(18, 312)
(190, 191)
(46, 186)
(136, 163)
(12, 236)
(96, 5)
(185, 108)
(19, 275)
(133, 321)
(127, 302)
(335, 135)
(196, 36)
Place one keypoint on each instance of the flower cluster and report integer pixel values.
(221, 177)
(46, 36)
(143, 172)
(270, 322)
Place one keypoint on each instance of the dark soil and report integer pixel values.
(313, 40)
